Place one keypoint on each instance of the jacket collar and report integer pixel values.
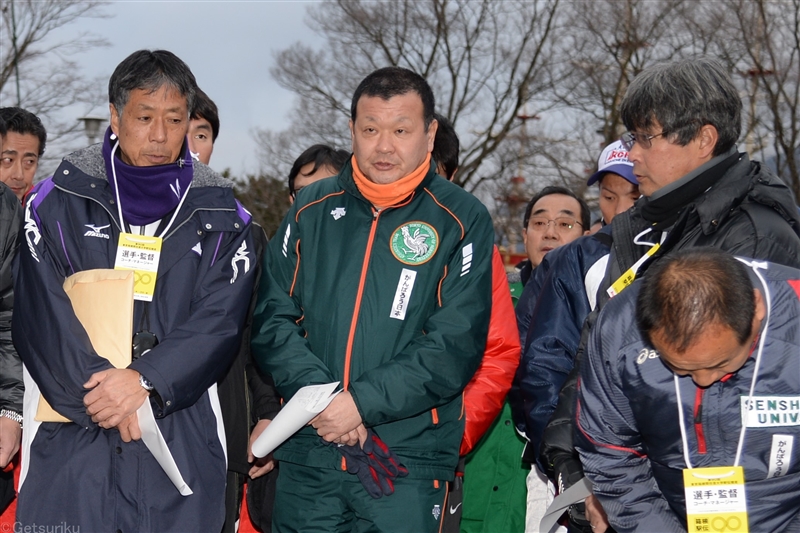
(346, 181)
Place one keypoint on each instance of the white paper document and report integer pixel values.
(307, 403)
(154, 440)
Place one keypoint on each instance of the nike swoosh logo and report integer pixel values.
(454, 509)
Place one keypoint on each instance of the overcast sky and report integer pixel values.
(228, 45)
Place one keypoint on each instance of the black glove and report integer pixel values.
(382, 458)
(375, 465)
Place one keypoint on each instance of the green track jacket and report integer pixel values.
(394, 304)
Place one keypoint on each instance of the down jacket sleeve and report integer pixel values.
(486, 392)
(11, 387)
(561, 307)
(607, 437)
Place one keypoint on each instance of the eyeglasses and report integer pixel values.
(561, 224)
(629, 138)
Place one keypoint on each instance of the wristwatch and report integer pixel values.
(145, 383)
(13, 415)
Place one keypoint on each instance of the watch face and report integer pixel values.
(145, 383)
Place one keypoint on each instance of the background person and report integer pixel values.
(698, 190)
(23, 146)
(203, 127)
(11, 387)
(496, 486)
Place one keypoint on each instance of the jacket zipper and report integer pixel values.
(116, 222)
(698, 421)
(351, 335)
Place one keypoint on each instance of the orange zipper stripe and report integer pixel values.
(451, 213)
(435, 415)
(351, 336)
(296, 267)
(439, 290)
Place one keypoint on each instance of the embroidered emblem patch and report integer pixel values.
(414, 243)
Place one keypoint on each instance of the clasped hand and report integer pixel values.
(114, 399)
(341, 422)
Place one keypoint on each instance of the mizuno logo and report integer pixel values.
(96, 231)
(240, 255)
(32, 234)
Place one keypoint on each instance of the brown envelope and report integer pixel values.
(103, 302)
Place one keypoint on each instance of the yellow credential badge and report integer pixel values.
(141, 254)
(715, 499)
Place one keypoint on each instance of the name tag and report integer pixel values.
(403, 294)
(770, 411)
(715, 499)
(141, 254)
(780, 456)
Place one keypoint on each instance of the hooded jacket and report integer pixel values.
(394, 304)
(747, 211)
(86, 475)
(628, 429)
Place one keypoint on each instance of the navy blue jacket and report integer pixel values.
(628, 432)
(550, 314)
(78, 473)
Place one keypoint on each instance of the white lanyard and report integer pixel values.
(755, 266)
(119, 203)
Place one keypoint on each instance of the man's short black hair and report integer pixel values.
(388, 82)
(3, 128)
(321, 155)
(683, 96)
(205, 108)
(586, 216)
(150, 70)
(446, 146)
(683, 294)
(23, 122)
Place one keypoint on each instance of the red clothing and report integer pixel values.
(486, 392)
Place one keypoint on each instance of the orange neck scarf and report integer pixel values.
(384, 195)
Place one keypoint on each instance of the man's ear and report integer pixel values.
(760, 308)
(432, 127)
(114, 119)
(352, 135)
(707, 138)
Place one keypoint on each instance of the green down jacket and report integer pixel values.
(393, 303)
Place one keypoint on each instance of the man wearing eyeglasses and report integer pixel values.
(698, 190)
(553, 218)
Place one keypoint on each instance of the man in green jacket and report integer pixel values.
(379, 279)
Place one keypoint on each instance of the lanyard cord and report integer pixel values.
(119, 203)
(755, 266)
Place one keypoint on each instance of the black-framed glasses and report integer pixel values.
(629, 138)
(561, 224)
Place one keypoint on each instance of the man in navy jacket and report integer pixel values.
(94, 472)
(673, 368)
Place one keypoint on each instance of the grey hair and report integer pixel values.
(151, 70)
(682, 97)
